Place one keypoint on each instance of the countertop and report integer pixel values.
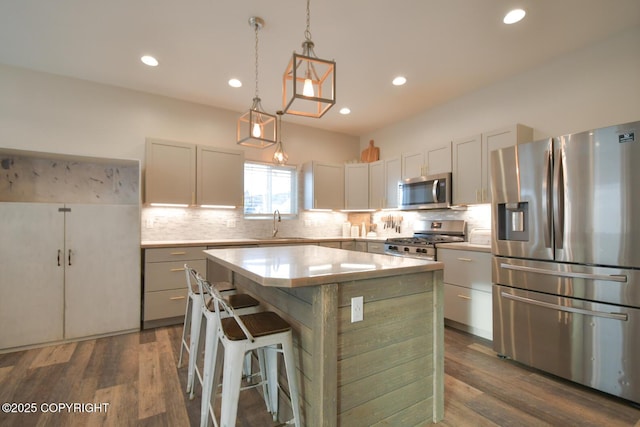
(252, 241)
(310, 265)
(465, 246)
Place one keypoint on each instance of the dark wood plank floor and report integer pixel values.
(136, 375)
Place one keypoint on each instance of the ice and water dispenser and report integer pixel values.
(513, 219)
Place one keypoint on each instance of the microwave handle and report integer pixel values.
(434, 190)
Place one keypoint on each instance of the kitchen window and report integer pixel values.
(270, 187)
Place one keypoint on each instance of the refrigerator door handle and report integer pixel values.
(572, 274)
(558, 196)
(547, 208)
(617, 316)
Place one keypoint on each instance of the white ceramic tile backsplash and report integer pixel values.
(160, 224)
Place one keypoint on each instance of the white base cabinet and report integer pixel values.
(467, 290)
(68, 271)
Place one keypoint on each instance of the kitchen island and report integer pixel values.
(387, 369)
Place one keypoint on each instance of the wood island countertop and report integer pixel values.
(310, 265)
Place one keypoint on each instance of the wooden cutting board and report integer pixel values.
(370, 154)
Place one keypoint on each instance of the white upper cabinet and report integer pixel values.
(377, 185)
(356, 186)
(494, 140)
(189, 174)
(433, 160)
(467, 170)
(392, 177)
(438, 159)
(471, 157)
(323, 185)
(412, 165)
(170, 172)
(220, 176)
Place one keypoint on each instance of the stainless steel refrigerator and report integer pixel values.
(566, 257)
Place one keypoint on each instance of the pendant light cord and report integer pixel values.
(307, 33)
(256, 27)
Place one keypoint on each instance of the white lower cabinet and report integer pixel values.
(467, 290)
(68, 271)
(165, 283)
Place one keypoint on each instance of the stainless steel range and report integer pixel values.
(424, 242)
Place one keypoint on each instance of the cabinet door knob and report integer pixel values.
(176, 269)
(463, 297)
(178, 253)
(465, 259)
(176, 298)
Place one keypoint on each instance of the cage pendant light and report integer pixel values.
(279, 156)
(308, 83)
(255, 127)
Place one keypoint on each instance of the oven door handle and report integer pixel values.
(617, 316)
(573, 274)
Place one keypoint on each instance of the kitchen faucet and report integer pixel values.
(275, 225)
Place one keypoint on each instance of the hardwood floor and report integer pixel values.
(132, 380)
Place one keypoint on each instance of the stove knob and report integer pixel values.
(406, 249)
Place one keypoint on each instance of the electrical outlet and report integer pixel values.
(357, 309)
(231, 223)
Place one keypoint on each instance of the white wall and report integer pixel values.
(592, 87)
(45, 112)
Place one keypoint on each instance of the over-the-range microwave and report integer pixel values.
(425, 192)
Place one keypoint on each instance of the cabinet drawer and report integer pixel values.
(361, 246)
(160, 276)
(351, 246)
(376, 248)
(335, 245)
(469, 307)
(466, 268)
(174, 254)
(164, 304)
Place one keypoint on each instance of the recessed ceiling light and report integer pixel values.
(399, 81)
(149, 60)
(345, 111)
(235, 83)
(514, 16)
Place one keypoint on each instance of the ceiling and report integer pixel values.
(445, 48)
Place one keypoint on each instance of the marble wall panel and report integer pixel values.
(57, 180)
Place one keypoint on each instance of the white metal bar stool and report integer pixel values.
(239, 334)
(193, 320)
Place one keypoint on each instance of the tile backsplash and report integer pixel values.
(165, 224)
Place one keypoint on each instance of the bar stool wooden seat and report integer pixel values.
(193, 320)
(238, 334)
